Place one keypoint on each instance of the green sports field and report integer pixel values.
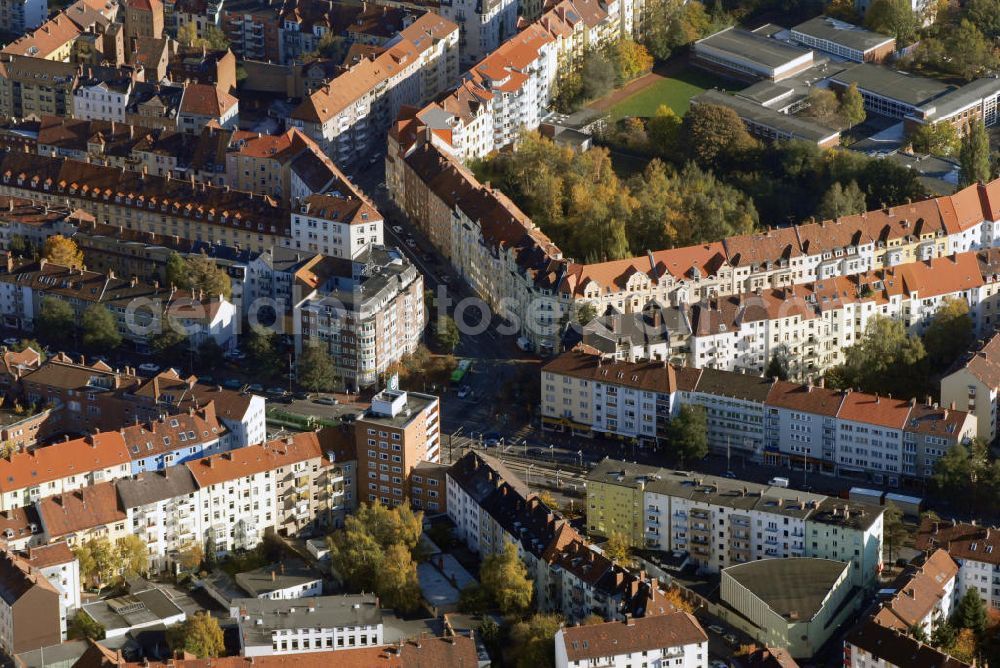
(675, 91)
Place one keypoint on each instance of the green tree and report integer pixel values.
(852, 106)
(261, 350)
(970, 54)
(888, 184)
(970, 613)
(916, 631)
(56, 319)
(97, 562)
(936, 139)
(823, 103)
(886, 360)
(317, 372)
(778, 366)
(531, 643)
(944, 635)
(964, 648)
(893, 529)
(210, 354)
(688, 433)
(100, 330)
(397, 579)
(169, 345)
(84, 627)
(505, 579)
(62, 251)
(473, 600)
(447, 334)
(199, 634)
(204, 274)
(131, 556)
(190, 555)
(841, 200)
(585, 313)
(712, 131)
(974, 156)
(893, 17)
(176, 268)
(663, 130)
(187, 34)
(671, 24)
(19, 246)
(630, 59)
(985, 14)
(617, 548)
(949, 334)
(598, 75)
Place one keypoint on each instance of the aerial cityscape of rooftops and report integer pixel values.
(527, 333)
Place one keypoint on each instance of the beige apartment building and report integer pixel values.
(144, 18)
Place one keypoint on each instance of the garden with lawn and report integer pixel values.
(674, 90)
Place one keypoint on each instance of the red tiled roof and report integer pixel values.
(60, 460)
(636, 635)
(85, 508)
(254, 459)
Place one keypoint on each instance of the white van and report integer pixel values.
(778, 482)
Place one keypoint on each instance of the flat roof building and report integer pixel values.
(770, 124)
(140, 610)
(842, 39)
(792, 603)
(749, 56)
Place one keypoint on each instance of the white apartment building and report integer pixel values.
(674, 640)
(483, 26)
(277, 627)
(976, 550)
(975, 387)
(18, 17)
(925, 595)
(57, 564)
(243, 415)
(102, 100)
(337, 226)
(348, 117)
(163, 509)
(775, 422)
(26, 477)
(721, 522)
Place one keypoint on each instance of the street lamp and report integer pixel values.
(579, 457)
(552, 452)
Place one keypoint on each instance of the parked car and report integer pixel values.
(232, 384)
(276, 391)
(256, 387)
(730, 475)
(411, 243)
(325, 401)
(731, 639)
(716, 629)
(149, 367)
(235, 354)
(398, 229)
(303, 396)
(464, 391)
(11, 341)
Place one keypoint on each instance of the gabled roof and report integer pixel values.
(254, 459)
(595, 641)
(53, 462)
(80, 510)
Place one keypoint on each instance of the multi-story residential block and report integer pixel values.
(163, 510)
(154, 105)
(33, 86)
(870, 645)
(674, 639)
(720, 522)
(975, 385)
(57, 564)
(173, 439)
(484, 26)
(348, 116)
(925, 595)
(31, 611)
(252, 28)
(104, 95)
(279, 627)
(143, 18)
(368, 312)
(492, 509)
(53, 40)
(975, 549)
(776, 422)
(400, 430)
(202, 104)
(19, 16)
(62, 468)
(88, 512)
(336, 226)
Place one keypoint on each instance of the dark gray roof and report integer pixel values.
(898, 649)
(139, 609)
(793, 588)
(154, 486)
(260, 617)
(839, 32)
(959, 98)
(734, 385)
(912, 90)
(478, 474)
(748, 46)
(266, 579)
(748, 110)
